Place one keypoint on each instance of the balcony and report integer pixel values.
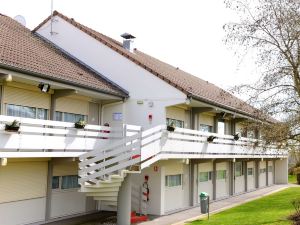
(158, 143)
(46, 138)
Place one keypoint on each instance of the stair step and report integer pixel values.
(105, 198)
(97, 189)
(110, 203)
(102, 194)
(114, 184)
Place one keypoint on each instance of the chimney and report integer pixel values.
(128, 41)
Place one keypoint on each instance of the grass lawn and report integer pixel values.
(272, 209)
(292, 179)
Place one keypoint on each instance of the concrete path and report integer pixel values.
(217, 206)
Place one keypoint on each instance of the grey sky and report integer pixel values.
(185, 33)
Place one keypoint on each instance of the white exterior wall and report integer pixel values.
(281, 171)
(262, 176)
(222, 185)
(208, 185)
(251, 178)
(67, 202)
(155, 93)
(23, 212)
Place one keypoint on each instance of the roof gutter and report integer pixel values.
(221, 106)
(43, 76)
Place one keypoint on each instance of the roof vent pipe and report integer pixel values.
(128, 41)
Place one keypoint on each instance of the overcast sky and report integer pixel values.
(185, 33)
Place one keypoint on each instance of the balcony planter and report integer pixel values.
(211, 138)
(236, 137)
(12, 127)
(171, 128)
(80, 124)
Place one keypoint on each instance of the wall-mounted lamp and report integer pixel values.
(233, 160)
(3, 162)
(44, 87)
(262, 159)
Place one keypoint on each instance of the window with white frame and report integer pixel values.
(221, 174)
(205, 128)
(239, 169)
(26, 111)
(205, 176)
(65, 182)
(249, 171)
(177, 123)
(270, 168)
(262, 170)
(173, 180)
(69, 117)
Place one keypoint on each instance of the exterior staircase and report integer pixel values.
(103, 171)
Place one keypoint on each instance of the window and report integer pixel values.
(221, 174)
(270, 168)
(205, 128)
(249, 171)
(65, 182)
(239, 169)
(205, 176)
(177, 123)
(55, 182)
(263, 170)
(26, 111)
(173, 180)
(69, 117)
(69, 182)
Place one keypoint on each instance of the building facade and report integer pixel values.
(51, 170)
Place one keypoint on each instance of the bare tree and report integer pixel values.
(271, 29)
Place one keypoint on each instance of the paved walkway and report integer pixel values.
(194, 213)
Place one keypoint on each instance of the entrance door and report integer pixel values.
(262, 174)
(270, 173)
(205, 184)
(250, 176)
(222, 180)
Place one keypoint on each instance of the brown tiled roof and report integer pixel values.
(22, 50)
(191, 85)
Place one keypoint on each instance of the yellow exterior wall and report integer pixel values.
(23, 180)
(206, 119)
(65, 168)
(178, 114)
(72, 105)
(25, 97)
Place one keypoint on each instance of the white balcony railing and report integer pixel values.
(157, 143)
(37, 135)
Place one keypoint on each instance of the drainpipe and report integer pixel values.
(214, 180)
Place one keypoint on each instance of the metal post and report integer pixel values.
(124, 202)
(208, 208)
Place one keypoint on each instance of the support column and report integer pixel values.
(256, 174)
(214, 180)
(231, 178)
(124, 202)
(49, 190)
(267, 173)
(246, 176)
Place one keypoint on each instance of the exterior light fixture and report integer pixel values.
(3, 161)
(262, 159)
(44, 87)
(233, 160)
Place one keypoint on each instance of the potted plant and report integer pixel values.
(80, 124)
(171, 127)
(12, 127)
(236, 136)
(211, 138)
